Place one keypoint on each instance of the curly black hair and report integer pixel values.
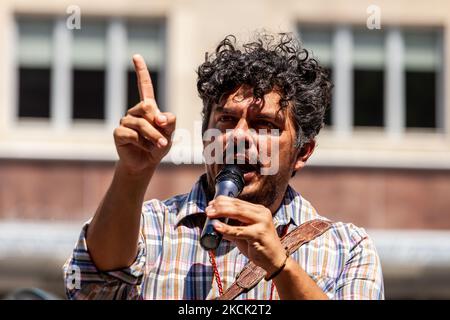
(272, 61)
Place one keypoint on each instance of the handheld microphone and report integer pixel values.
(229, 182)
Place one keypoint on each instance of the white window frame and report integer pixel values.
(60, 136)
(393, 145)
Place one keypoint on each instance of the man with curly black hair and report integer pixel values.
(268, 95)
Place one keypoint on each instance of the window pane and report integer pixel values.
(146, 39)
(318, 41)
(89, 46)
(368, 78)
(423, 61)
(368, 49)
(422, 50)
(35, 42)
(34, 92)
(34, 59)
(88, 94)
(133, 91)
(368, 97)
(421, 99)
(89, 59)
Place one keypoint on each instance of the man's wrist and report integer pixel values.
(130, 173)
(278, 267)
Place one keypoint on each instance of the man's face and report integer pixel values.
(262, 135)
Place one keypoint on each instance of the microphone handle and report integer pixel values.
(210, 238)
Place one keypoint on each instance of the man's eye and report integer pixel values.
(226, 118)
(265, 124)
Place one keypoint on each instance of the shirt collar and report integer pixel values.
(290, 209)
(196, 203)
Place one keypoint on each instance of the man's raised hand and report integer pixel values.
(144, 135)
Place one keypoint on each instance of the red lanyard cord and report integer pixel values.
(212, 259)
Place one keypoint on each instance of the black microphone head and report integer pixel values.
(231, 172)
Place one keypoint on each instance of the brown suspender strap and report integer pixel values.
(251, 274)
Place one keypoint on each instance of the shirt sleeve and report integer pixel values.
(361, 278)
(84, 281)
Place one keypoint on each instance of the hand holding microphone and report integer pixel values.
(229, 182)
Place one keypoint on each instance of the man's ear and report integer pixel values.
(303, 154)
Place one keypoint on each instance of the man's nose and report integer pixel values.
(241, 135)
(241, 139)
(241, 142)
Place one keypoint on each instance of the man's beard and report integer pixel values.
(265, 196)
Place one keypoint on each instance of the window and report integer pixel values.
(34, 92)
(34, 65)
(420, 99)
(86, 74)
(368, 78)
(422, 64)
(88, 61)
(392, 81)
(317, 40)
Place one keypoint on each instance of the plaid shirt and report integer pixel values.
(172, 265)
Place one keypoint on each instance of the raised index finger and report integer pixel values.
(144, 81)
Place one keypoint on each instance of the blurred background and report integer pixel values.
(382, 162)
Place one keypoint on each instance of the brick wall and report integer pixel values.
(371, 198)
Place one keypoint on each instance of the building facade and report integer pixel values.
(382, 161)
